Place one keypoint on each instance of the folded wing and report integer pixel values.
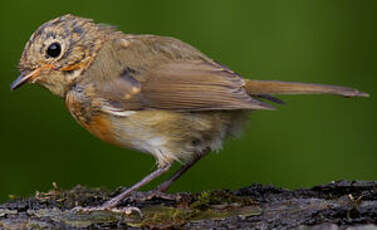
(181, 87)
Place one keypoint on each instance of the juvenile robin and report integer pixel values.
(154, 94)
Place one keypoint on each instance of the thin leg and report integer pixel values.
(165, 185)
(116, 200)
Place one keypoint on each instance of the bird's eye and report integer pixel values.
(54, 50)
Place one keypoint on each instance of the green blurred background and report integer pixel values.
(312, 140)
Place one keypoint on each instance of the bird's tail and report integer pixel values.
(264, 88)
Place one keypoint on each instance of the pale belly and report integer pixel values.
(171, 136)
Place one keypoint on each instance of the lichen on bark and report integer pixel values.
(342, 204)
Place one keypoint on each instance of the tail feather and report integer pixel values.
(262, 87)
(270, 98)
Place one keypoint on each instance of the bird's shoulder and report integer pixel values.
(164, 48)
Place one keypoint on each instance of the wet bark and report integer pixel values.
(338, 205)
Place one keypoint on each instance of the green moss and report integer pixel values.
(205, 205)
(57, 205)
(219, 198)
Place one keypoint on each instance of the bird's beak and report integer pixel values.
(28, 76)
(22, 79)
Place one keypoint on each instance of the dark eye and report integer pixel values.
(54, 50)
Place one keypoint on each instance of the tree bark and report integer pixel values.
(338, 205)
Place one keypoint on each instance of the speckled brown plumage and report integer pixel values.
(155, 94)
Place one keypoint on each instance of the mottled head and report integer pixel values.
(59, 51)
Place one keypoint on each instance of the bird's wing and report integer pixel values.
(197, 86)
(185, 87)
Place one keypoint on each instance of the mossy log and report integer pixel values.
(338, 205)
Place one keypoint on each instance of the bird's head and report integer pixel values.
(59, 52)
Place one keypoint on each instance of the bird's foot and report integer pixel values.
(124, 210)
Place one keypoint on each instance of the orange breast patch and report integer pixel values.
(101, 127)
(98, 124)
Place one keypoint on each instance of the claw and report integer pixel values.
(128, 210)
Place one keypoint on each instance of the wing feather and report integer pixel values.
(183, 87)
(197, 87)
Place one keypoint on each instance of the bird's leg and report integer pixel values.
(111, 204)
(159, 192)
(116, 200)
(165, 185)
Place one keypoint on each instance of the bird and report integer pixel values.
(154, 94)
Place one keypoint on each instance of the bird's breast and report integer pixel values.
(98, 124)
(129, 129)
